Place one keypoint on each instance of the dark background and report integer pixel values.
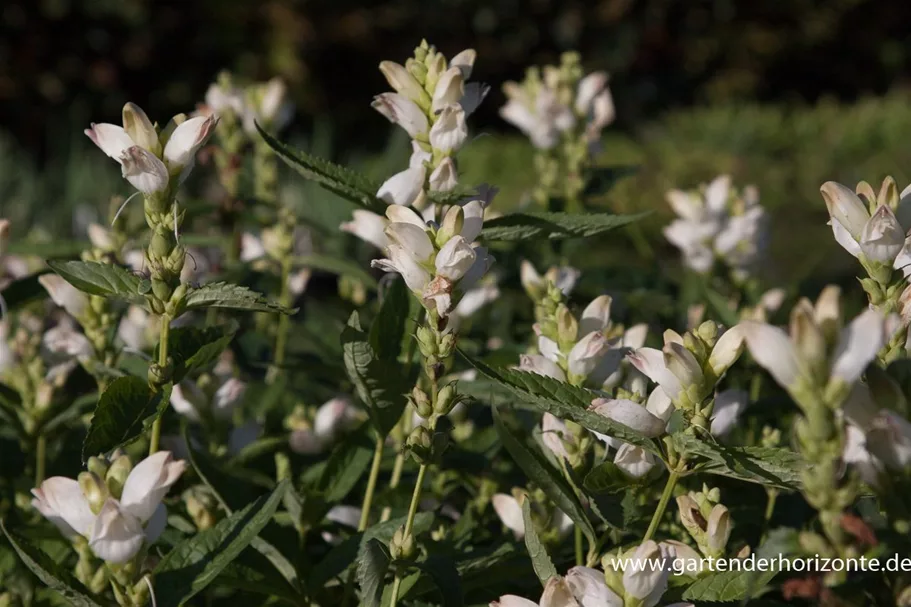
(79, 60)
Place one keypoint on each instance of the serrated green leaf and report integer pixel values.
(391, 325)
(50, 574)
(727, 586)
(535, 466)
(337, 179)
(540, 560)
(379, 383)
(224, 487)
(445, 575)
(336, 265)
(194, 563)
(372, 564)
(233, 297)
(193, 348)
(124, 409)
(562, 400)
(769, 466)
(97, 278)
(539, 224)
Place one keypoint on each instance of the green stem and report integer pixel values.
(164, 334)
(409, 525)
(371, 484)
(580, 559)
(662, 503)
(40, 458)
(284, 324)
(403, 428)
(769, 510)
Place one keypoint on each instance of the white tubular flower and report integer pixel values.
(634, 461)
(402, 111)
(63, 346)
(589, 588)
(137, 146)
(541, 365)
(718, 530)
(222, 100)
(646, 572)
(404, 187)
(122, 525)
(804, 356)
(268, 104)
(449, 89)
(557, 593)
(555, 435)
(449, 132)
(404, 83)
(445, 177)
(509, 510)
(563, 277)
(729, 405)
(587, 353)
(194, 403)
(369, 227)
(630, 414)
(65, 295)
(333, 418)
(100, 237)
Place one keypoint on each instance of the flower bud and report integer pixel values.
(691, 517)
(421, 402)
(567, 327)
(708, 331)
(405, 83)
(117, 475)
(427, 342)
(94, 490)
(718, 530)
(452, 225)
(446, 345)
(140, 129)
(402, 547)
(420, 443)
(97, 466)
(447, 398)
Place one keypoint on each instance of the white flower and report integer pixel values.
(728, 407)
(221, 99)
(537, 363)
(790, 358)
(476, 298)
(185, 141)
(134, 328)
(369, 227)
(555, 435)
(542, 118)
(65, 295)
(403, 82)
(557, 593)
(268, 104)
(445, 177)
(332, 419)
(589, 588)
(403, 187)
(449, 89)
(189, 400)
(510, 512)
(402, 111)
(449, 132)
(719, 529)
(634, 461)
(642, 579)
(564, 278)
(62, 346)
(630, 414)
(122, 525)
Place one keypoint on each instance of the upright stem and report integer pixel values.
(371, 484)
(403, 427)
(580, 559)
(40, 458)
(164, 334)
(284, 324)
(662, 503)
(409, 525)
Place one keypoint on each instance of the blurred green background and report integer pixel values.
(782, 94)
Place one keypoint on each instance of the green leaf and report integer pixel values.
(233, 297)
(444, 573)
(769, 466)
(253, 573)
(193, 348)
(372, 564)
(535, 466)
(380, 383)
(337, 179)
(540, 560)
(124, 409)
(607, 477)
(539, 224)
(727, 586)
(48, 571)
(223, 486)
(336, 265)
(98, 278)
(562, 400)
(345, 466)
(194, 563)
(392, 325)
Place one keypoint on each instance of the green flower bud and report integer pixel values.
(447, 398)
(708, 331)
(161, 289)
(447, 344)
(97, 466)
(451, 226)
(94, 490)
(421, 402)
(567, 327)
(427, 342)
(117, 475)
(140, 129)
(402, 547)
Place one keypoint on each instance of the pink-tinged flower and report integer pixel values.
(402, 111)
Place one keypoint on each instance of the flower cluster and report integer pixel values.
(720, 223)
(438, 262)
(706, 520)
(115, 506)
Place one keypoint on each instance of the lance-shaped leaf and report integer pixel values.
(193, 348)
(51, 574)
(769, 466)
(562, 400)
(553, 226)
(727, 586)
(232, 297)
(223, 486)
(379, 382)
(126, 407)
(195, 562)
(337, 179)
(540, 560)
(372, 564)
(97, 278)
(535, 466)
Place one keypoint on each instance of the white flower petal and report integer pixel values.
(143, 170)
(149, 482)
(857, 345)
(510, 513)
(536, 363)
(403, 187)
(187, 138)
(117, 535)
(112, 139)
(728, 407)
(62, 497)
(773, 350)
(596, 315)
(845, 208)
(455, 258)
(412, 238)
(630, 414)
(402, 111)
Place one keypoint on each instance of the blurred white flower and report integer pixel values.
(218, 401)
(267, 103)
(333, 418)
(65, 295)
(116, 526)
